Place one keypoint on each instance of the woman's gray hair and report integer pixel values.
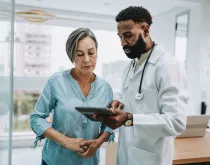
(74, 37)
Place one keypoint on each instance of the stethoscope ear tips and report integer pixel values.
(139, 96)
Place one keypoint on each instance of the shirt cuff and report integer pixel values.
(137, 118)
(109, 130)
(40, 133)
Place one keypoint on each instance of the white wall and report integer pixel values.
(197, 64)
(198, 58)
(192, 61)
(163, 28)
(205, 54)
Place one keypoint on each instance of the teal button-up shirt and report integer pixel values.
(62, 93)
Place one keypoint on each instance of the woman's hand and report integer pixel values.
(74, 144)
(92, 146)
(67, 142)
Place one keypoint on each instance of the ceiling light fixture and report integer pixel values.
(35, 15)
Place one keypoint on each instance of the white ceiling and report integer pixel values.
(108, 7)
(96, 14)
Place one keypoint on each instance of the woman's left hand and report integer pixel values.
(92, 145)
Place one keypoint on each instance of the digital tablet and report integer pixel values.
(89, 111)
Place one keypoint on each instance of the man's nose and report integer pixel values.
(123, 43)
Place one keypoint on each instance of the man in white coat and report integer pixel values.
(154, 95)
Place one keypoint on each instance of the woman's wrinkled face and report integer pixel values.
(86, 55)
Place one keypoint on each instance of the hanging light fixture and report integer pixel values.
(35, 15)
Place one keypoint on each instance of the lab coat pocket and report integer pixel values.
(138, 156)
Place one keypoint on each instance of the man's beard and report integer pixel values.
(136, 50)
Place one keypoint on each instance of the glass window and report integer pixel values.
(6, 88)
(34, 65)
(36, 62)
(181, 37)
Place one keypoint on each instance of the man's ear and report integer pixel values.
(146, 30)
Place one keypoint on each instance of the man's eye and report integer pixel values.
(129, 36)
(79, 55)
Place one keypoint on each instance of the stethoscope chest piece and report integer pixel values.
(139, 96)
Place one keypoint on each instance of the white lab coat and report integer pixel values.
(159, 116)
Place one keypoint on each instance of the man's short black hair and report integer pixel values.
(137, 14)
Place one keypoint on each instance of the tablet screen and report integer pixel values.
(89, 111)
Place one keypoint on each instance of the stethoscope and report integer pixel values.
(140, 95)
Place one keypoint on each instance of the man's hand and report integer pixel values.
(116, 104)
(92, 145)
(115, 121)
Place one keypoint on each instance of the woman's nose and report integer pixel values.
(87, 59)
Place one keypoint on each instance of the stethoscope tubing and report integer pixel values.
(139, 95)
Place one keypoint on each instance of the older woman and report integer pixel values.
(79, 86)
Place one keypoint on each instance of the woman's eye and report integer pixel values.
(92, 53)
(79, 55)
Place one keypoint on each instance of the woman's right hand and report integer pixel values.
(73, 144)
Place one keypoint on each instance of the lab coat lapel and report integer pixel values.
(158, 50)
